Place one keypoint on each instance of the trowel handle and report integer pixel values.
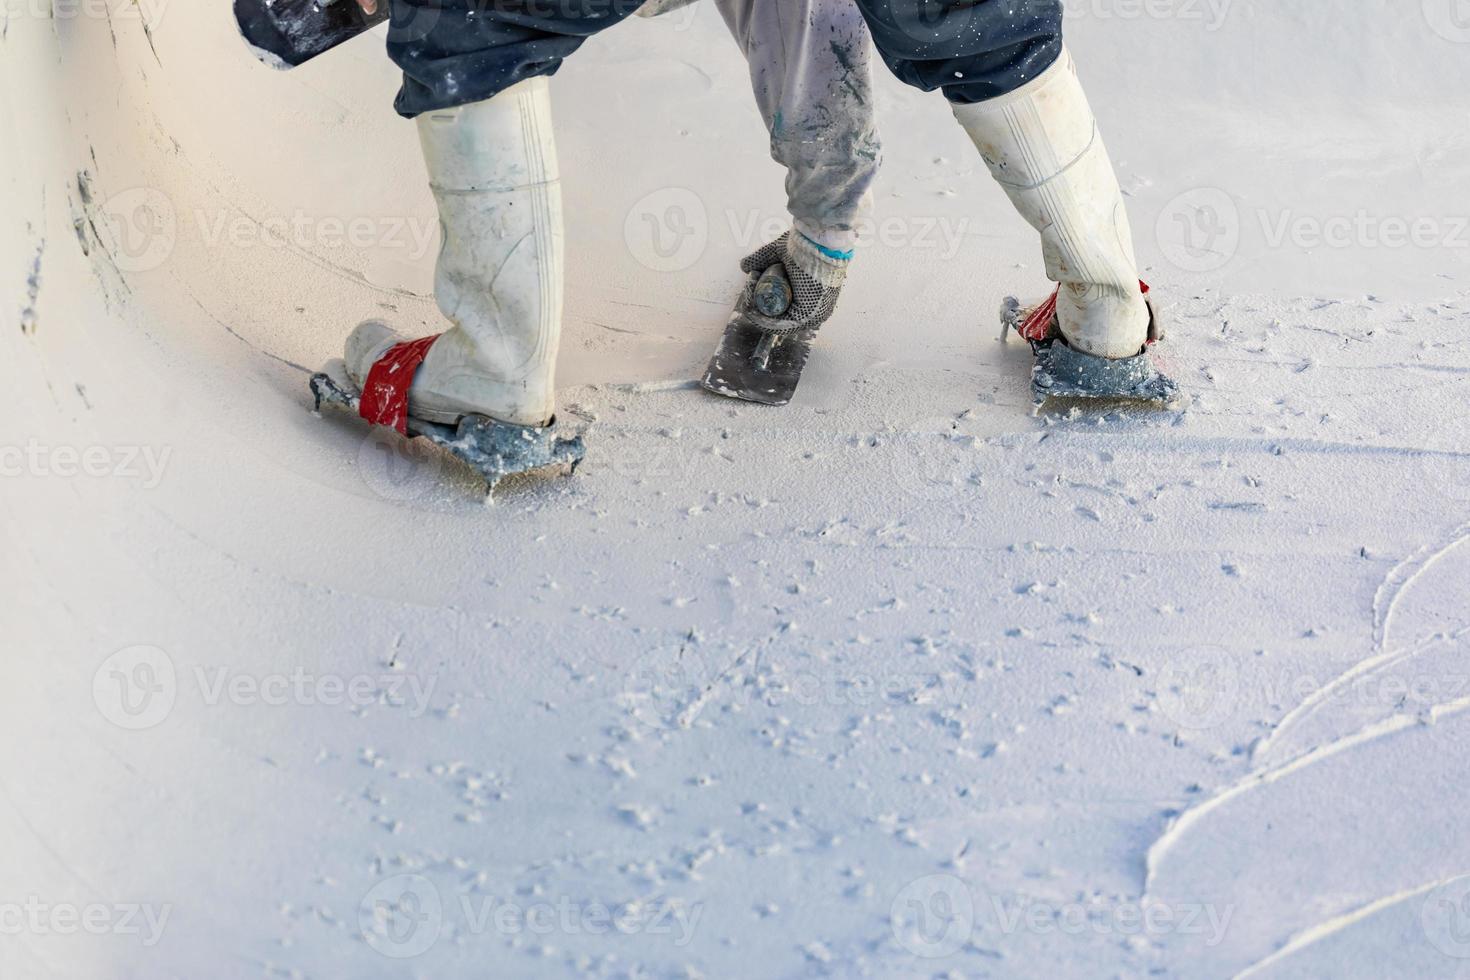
(287, 33)
(773, 292)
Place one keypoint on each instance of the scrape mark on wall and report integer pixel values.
(79, 225)
(29, 318)
(95, 245)
(148, 32)
(241, 337)
(112, 31)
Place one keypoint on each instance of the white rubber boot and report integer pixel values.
(1041, 143)
(493, 169)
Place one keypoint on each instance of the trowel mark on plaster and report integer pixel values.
(29, 318)
(1403, 577)
(1334, 925)
(1397, 584)
(1185, 822)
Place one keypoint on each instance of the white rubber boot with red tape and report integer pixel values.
(493, 169)
(483, 390)
(1042, 145)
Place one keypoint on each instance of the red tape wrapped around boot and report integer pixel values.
(385, 393)
(1041, 326)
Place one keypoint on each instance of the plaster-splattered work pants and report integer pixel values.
(809, 64)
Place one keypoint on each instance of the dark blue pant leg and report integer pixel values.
(972, 49)
(454, 52)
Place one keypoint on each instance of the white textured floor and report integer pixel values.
(899, 681)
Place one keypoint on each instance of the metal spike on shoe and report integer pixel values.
(1061, 371)
(493, 449)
